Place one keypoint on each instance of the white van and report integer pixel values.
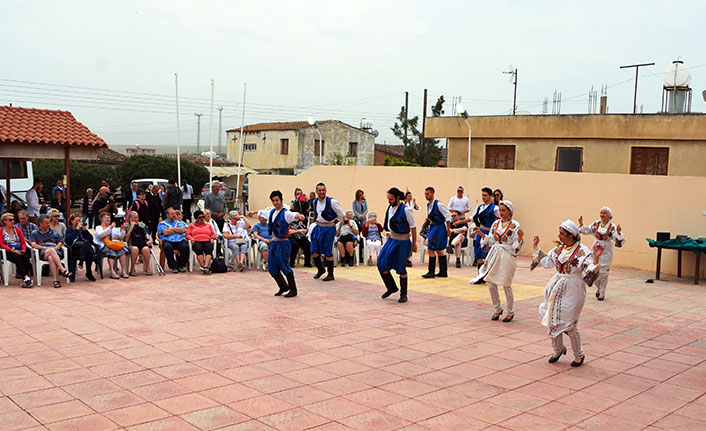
(144, 183)
(21, 176)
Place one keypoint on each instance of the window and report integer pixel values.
(352, 149)
(316, 147)
(18, 169)
(250, 147)
(500, 157)
(649, 161)
(569, 160)
(284, 146)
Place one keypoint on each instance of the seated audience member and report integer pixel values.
(372, 232)
(111, 241)
(202, 237)
(261, 232)
(13, 242)
(172, 234)
(56, 223)
(79, 241)
(297, 236)
(139, 241)
(235, 232)
(27, 226)
(459, 237)
(346, 233)
(209, 220)
(49, 245)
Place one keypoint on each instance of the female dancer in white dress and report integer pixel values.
(606, 233)
(505, 241)
(566, 291)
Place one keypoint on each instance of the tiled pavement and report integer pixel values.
(219, 352)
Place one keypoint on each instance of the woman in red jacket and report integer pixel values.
(13, 242)
(201, 235)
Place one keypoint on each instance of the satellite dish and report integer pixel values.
(376, 133)
(310, 121)
(703, 93)
(677, 75)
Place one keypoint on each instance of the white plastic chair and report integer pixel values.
(356, 256)
(8, 269)
(39, 263)
(192, 255)
(257, 255)
(228, 255)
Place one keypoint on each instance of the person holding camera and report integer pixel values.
(347, 232)
(109, 238)
(80, 243)
(104, 203)
(139, 241)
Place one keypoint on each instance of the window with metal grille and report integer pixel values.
(250, 147)
(352, 149)
(569, 159)
(649, 161)
(318, 147)
(500, 157)
(284, 146)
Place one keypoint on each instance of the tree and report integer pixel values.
(160, 167)
(417, 149)
(83, 175)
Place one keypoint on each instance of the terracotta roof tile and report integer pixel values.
(286, 125)
(44, 126)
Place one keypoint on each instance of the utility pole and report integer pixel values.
(220, 130)
(406, 115)
(637, 69)
(513, 79)
(424, 115)
(198, 133)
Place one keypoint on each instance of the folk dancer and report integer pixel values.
(280, 247)
(606, 233)
(399, 221)
(327, 212)
(565, 293)
(439, 221)
(484, 216)
(505, 241)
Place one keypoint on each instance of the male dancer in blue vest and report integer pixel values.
(399, 222)
(484, 216)
(327, 212)
(439, 220)
(280, 247)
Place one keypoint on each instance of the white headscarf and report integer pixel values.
(570, 227)
(610, 212)
(509, 206)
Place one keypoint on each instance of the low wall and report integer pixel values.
(642, 205)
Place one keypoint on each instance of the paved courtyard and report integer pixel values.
(219, 352)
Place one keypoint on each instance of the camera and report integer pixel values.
(119, 220)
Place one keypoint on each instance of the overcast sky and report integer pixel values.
(112, 63)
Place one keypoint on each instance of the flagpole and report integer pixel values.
(176, 89)
(240, 150)
(210, 155)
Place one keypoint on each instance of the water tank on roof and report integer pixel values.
(676, 93)
(677, 74)
(366, 124)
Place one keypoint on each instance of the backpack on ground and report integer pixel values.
(218, 266)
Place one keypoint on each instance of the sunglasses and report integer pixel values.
(55, 216)
(201, 217)
(11, 219)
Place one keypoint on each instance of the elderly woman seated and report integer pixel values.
(110, 239)
(49, 244)
(202, 237)
(235, 233)
(346, 232)
(212, 222)
(13, 242)
(139, 241)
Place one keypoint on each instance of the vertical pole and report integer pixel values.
(634, 98)
(8, 200)
(240, 150)
(424, 115)
(210, 139)
(67, 172)
(406, 114)
(514, 97)
(321, 146)
(469, 143)
(198, 133)
(176, 98)
(220, 128)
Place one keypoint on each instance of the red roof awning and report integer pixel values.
(44, 126)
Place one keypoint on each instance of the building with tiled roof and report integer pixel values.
(295, 146)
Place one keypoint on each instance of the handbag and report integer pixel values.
(114, 245)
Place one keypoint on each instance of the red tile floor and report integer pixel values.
(219, 352)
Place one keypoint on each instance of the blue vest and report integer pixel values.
(279, 226)
(398, 223)
(485, 218)
(435, 215)
(328, 213)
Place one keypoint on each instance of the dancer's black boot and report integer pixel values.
(281, 283)
(403, 289)
(389, 284)
(319, 266)
(329, 267)
(432, 268)
(292, 285)
(442, 267)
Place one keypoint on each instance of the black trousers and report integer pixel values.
(182, 247)
(297, 242)
(219, 222)
(154, 222)
(21, 261)
(186, 212)
(85, 253)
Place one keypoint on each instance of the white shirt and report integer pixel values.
(32, 202)
(442, 209)
(480, 208)
(238, 229)
(188, 190)
(289, 216)
(407, 212)
(335, 206)
(461, 205)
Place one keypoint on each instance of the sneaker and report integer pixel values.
(27, 283)
(181, 269)
(175, 271)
